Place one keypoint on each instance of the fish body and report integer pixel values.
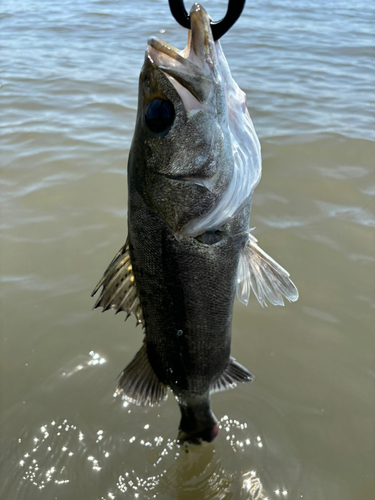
(193, 165)
(187, 305)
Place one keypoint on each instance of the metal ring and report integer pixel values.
(218, 28)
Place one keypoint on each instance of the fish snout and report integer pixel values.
(192, 70)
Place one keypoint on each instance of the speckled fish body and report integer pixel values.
(193, 166)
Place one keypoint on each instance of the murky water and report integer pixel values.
(305, 427)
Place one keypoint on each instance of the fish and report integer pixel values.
(193, 165)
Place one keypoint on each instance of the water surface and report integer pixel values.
(305, 427)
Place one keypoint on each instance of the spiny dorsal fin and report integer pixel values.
(233, 374)
(138, 381)
(119, 290)
(259, 272)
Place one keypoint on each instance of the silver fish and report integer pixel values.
(193, 166)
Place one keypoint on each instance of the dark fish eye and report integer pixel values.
(159, 116)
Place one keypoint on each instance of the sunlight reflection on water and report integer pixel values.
(47, 459)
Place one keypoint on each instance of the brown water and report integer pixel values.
(305, 427)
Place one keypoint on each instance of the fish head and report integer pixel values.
(181, 149)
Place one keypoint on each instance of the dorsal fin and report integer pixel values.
(233, 374)
(119, 290)
(259, 272)
(138, 381)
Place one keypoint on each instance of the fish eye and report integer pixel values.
(159, 116)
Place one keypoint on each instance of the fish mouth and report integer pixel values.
(192, 68)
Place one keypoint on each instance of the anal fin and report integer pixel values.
(138, 381)
(233, 374)
(119, 290)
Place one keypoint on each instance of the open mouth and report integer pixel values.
(192, 67)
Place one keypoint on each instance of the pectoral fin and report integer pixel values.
(259, 272)
(119, 290)
(234, 374)
(138, 381)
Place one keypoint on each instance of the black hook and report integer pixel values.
(219, 28)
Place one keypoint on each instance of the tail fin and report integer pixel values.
(198, 423)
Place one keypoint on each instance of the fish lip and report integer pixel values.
(165, 48)
(200, 40)
(193, 67)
